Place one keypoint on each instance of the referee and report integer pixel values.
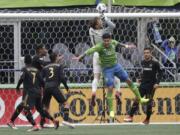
(149, 83)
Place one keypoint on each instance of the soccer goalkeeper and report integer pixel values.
(111, 68)
(95, 32)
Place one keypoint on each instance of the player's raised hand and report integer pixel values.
(78, 58)
(18, 91)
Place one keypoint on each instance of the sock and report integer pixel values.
(133, 108)
(29, 116)
(66, 114)
(45, 114)
(42, 121)
(17, 112)
(135, 90)
(110, 101)
(94, 85)
(149, 110)
(117, 84)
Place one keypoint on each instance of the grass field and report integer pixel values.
(51, 3)
(100, 130)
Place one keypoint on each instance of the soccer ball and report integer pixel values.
(101, 7)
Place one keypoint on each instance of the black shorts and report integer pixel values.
(56, 93)
(32, 100)
(147, 90)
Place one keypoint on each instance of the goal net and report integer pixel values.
(68, 33)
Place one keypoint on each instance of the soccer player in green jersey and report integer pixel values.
(111, 68)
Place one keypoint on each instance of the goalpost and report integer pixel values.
(68, 33)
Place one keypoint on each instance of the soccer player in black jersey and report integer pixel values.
(149, 82)
(53, 75)
(20, 107)
(32, 82)
(38, 61)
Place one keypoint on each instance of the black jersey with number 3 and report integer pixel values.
(32, 80)
(53, 74)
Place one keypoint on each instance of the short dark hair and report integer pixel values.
(106, 35)
(40, 46)
(27, 59)
(148, 48)
(52, 57)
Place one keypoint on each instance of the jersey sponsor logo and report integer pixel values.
(21, 116)
(2, 107)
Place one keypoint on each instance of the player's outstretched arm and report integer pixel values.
(19, 84)
(90, 51)
(126, 45)
(80, 57)
(20, 81)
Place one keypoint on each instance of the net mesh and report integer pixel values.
(71, 38)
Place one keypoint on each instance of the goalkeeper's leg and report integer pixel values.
(118, 90)
(95, 84)
(97, 73)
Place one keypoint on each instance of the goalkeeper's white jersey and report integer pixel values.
(96, 35)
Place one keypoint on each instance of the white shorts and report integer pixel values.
(96, 63)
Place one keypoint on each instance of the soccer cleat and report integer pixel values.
(65, 123)
(93, 100)
(12, 125)
(112, 114)
(34, 128)
(128, 119)
(146, 122)
(143, 100)
(56, 124)
(111, 117)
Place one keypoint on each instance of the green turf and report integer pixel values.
(52, 3)
(101, 130)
